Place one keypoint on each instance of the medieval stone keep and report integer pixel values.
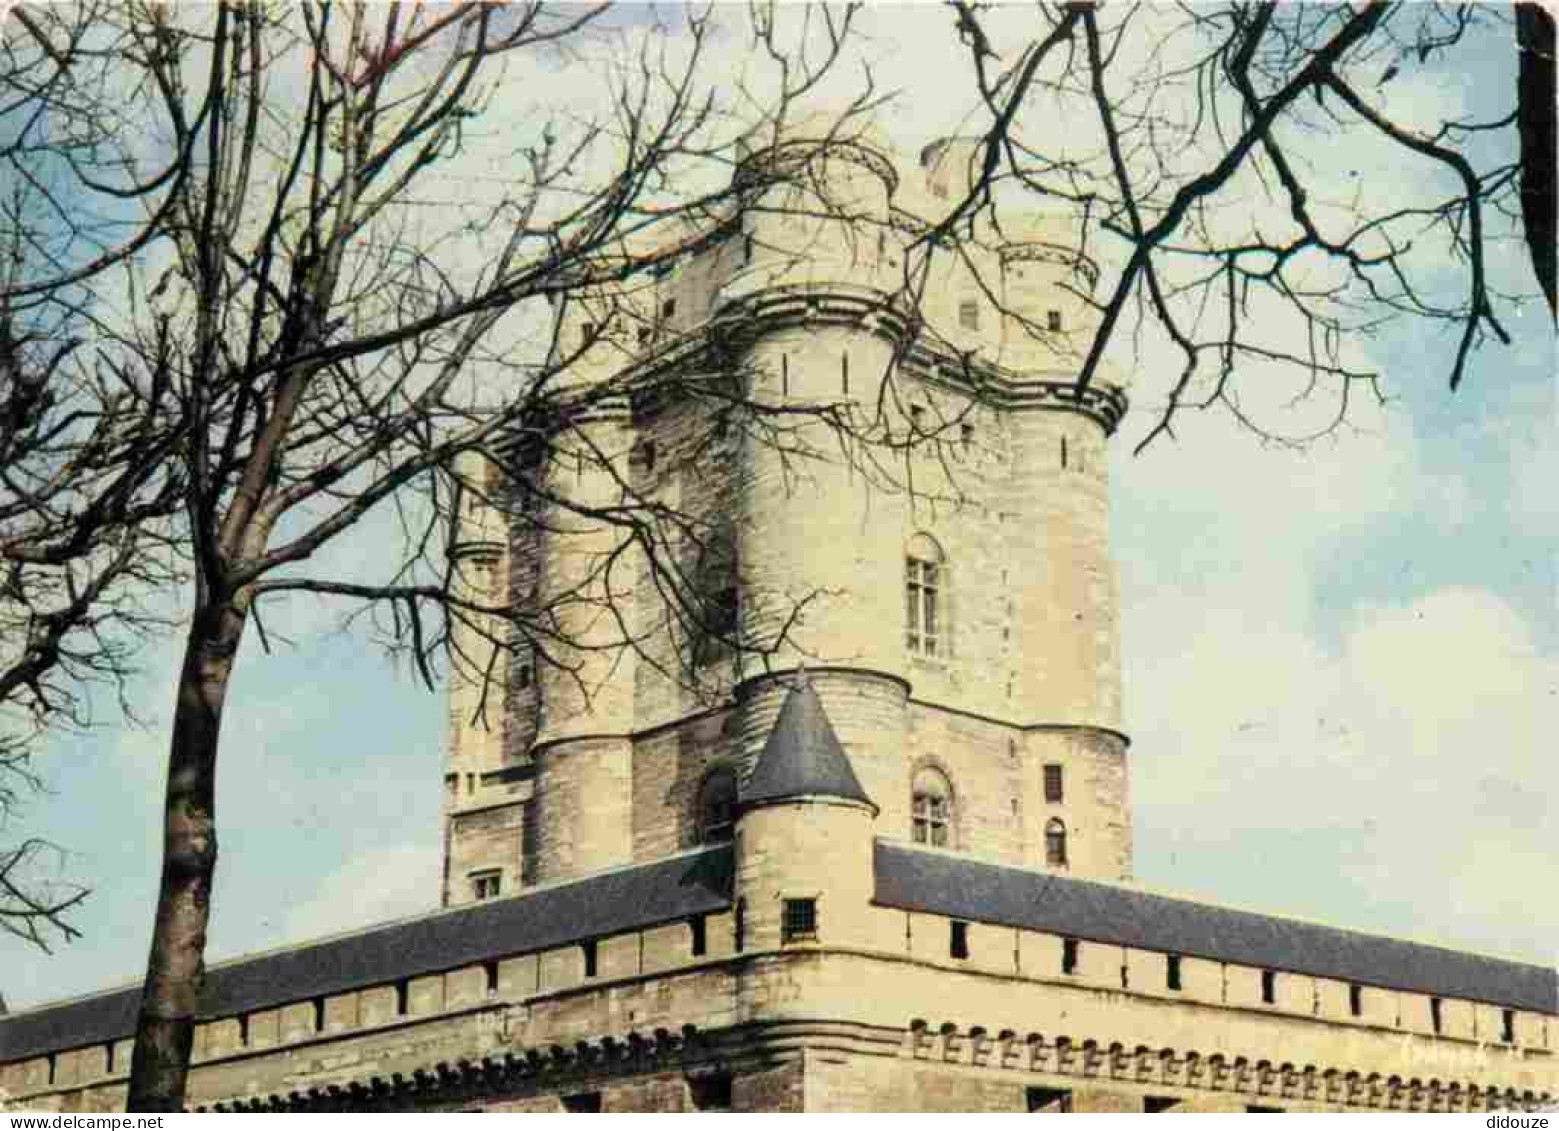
(847, 828)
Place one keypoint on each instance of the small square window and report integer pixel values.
(1269, 986)
(958, 943)
(1069, 948)
(487, 885)
(668, 308)
(1172, 972)
(800, 920)
(1053, 791)
(1053, 321)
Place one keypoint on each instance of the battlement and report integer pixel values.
(639, 969)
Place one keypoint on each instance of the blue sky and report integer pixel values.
(1342, 677)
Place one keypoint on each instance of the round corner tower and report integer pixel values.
(944, 569)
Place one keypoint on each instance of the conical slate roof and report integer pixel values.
(802, 757)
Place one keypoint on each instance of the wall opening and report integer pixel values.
(1153, 1105)
(582, 1103)
(1069, 948)
(710, 1091)
(800, 920)
(1269, 986)
(1508, 1026)
(1356, 1000)
(402, 998)
(1050, 1100)
(958, 940)
(698, 925)
(1053, 783)
(490, 978)
(588, 949)
(1172, 972)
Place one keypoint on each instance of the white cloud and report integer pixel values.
(391, 883)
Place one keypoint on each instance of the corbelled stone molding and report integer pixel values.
(522, 1073)
(1255, 1079)
(509, 1074)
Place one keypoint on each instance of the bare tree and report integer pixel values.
(1200, 162)
(78, 515)
(316, 301)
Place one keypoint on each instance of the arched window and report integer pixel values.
(1055, 843)
(931, 809)
(717, 807)
(925, 597)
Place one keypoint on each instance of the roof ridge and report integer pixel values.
(1136, 888)
(436, 913)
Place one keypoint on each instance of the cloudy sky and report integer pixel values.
(1342, 666)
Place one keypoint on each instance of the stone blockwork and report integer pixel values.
(796, 546)
(810, 965)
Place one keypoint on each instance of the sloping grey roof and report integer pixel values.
(802, 757)
(623, 900)
(967, 889)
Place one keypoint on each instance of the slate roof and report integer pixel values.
(623, 900)
(960, 888)
(802, 757)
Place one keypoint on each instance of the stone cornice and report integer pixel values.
(1080, 1056)
(1190, 1074)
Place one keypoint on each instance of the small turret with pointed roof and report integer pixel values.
(802, 757)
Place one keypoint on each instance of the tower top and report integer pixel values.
(803, 757)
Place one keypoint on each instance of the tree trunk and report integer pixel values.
(1535, 117)
(176, 967)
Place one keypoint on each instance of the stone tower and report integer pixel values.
(947, 580)
(833, 816)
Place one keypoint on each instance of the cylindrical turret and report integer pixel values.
(478, 681)
(804, 845)
(583, 749)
